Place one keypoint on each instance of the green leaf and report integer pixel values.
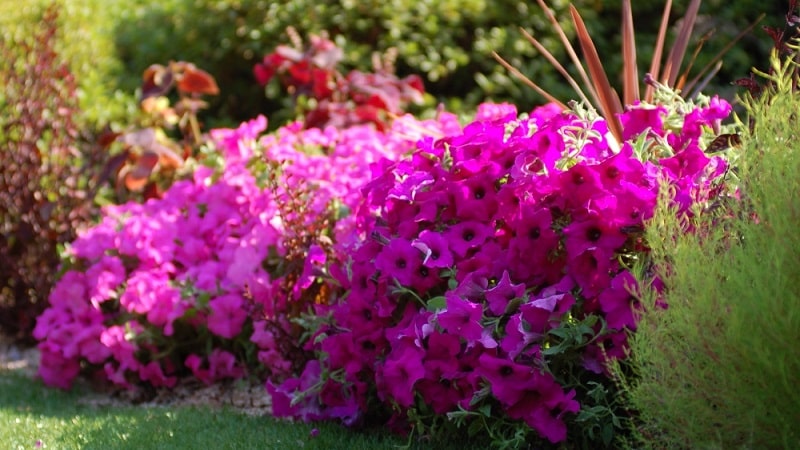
(436, 304)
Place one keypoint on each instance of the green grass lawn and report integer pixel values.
(34, 416)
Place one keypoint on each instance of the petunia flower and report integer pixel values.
(461, 317)
(399, 260)
(401, 371)
(467, 235)
(502, 293)
(227, 315)
(434, 247)
(619, 301)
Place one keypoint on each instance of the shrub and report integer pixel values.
(451, 48)
(45, 171)
(103, 99)
(717, 368)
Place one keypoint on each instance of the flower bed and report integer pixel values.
(495, 278)
(426, 275)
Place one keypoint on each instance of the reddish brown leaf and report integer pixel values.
(655, 63)
(711, 64)
(678, 50)
(106, 138)
(681, 82)
(151, 190)
(135, 177)
(167, 157)
(609, 102)
(197, 81)
(630, 72)
(157, 81)
(560, 68)
(570, 50)
(148, 160)
(528, 81)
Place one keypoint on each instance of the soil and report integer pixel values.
(242, 396)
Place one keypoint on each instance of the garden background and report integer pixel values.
(155, 111)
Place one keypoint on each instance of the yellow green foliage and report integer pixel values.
(718, 368)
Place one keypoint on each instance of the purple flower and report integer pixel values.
(400, 260)
(475, 197)
(434, 247)
(619, 300)
(501, 294)
(227, 315)
(153, 373)
(401, 371)
(543, 406)
(461, 317)
(639, 118)
(103, 278)
(54, 368)
(592, 233)
(467, 235)
(507, 379)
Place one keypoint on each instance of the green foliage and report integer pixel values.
(717, 367)
(721, 20)
(85, 40)
(448, 42)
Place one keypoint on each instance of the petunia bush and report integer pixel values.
(494, 277)
(206, 280)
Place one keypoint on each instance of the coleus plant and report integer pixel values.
(325, 96)
(150, 159)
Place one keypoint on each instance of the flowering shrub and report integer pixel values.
(206, 279)
(327, 97)
(494, 281)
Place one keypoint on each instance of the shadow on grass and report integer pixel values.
(32, 415)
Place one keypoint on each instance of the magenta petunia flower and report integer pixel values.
(467, 235)
(639, 118)
(227, 315)
(591, 271)
(461, 317)
(621, 166)
(475, 197)
(507, 379)
(688, 163)
(619, 301)
(223, 364)
(592, 233)
(104, 277)
(543, 406)
(153, 373)
(434, 247)
(401, 371)
(502, 293)
(54, 368)
(399, 260)
(580, 184)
